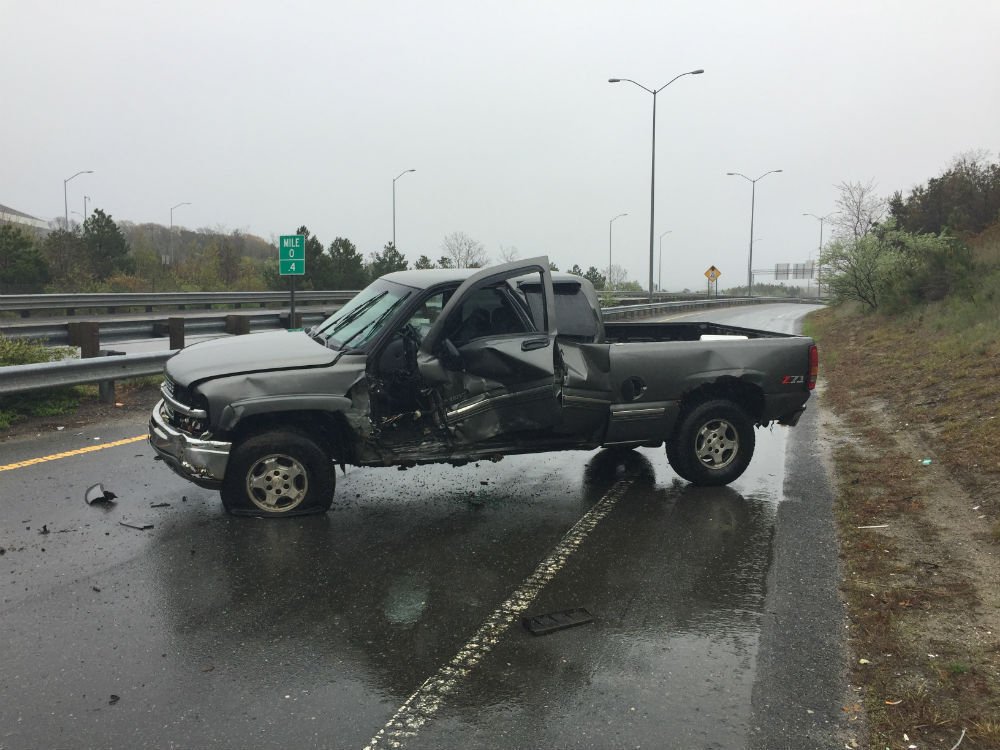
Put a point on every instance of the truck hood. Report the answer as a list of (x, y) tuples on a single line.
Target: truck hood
[(274, 350)]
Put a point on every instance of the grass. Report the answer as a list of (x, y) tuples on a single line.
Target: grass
[(928, 378)]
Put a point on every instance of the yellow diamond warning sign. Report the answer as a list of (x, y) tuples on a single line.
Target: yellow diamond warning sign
[(713, 273)]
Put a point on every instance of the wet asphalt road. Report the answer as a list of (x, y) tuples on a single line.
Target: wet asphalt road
[(394, 619)]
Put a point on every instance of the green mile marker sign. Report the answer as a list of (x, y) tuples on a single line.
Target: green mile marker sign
[(292, 255)]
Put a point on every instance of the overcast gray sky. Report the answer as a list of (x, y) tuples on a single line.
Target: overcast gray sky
[(268, 115)]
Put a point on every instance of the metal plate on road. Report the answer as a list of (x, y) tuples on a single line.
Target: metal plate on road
[(543, 624)]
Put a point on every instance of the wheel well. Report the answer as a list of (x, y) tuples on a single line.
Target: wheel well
[(747, 396), (328, 429)]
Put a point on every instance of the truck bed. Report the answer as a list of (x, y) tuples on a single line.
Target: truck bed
[(628, 332)]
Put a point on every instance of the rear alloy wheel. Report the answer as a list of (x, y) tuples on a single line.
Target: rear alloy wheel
[(713, 444), (280, 473)]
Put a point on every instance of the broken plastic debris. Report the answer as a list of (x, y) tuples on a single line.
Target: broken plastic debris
[(863, 661), (141, 525), (97, 494), (550, 623), (926, 462), (893, 703)]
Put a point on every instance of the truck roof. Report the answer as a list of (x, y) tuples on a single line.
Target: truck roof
[(421, 279)]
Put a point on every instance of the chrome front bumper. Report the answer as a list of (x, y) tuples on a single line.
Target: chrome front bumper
[(200, 461)]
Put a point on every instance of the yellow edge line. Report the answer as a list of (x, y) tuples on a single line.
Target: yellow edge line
[(67, 454)]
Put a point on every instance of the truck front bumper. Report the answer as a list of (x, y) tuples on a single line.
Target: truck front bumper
[(200, 461)]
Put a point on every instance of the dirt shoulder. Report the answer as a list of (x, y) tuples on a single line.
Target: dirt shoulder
[(918, 519)]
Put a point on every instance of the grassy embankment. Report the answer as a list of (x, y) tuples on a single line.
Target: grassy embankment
[(923, 589)]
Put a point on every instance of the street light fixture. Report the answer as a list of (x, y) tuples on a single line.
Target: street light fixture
[(659, 276), (170, 237), (753, 198), (394, 203), (608, 285), (652, 179), (65, 201)]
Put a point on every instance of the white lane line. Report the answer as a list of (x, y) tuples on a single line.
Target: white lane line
[(429, 697)]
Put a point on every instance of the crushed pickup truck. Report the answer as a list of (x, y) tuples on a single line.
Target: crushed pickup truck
[(451, 366)]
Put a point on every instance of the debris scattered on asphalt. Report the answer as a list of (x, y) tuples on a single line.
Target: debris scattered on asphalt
[(926, 462), (141, 525), (114, 699), (97, 494), (893, 703), (45, 529), (159, 505), (880, 526), (96, 588), (863, 661), (549, 623)]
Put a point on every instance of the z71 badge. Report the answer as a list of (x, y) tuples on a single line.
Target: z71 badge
[(793, 379)]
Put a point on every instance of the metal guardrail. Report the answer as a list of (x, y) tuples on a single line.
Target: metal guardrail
[(24, 378), (106, 369), (127, 329), (25, 304)]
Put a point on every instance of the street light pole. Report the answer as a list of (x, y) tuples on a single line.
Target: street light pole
[(753, 198), (170, 237), (85, 199), (659, 277), (652, 179), (65, 200), (608, 285), (394, 204), (821, 219)]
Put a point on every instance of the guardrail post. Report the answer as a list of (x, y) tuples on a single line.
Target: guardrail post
[(175, 327), (85, 334), (106, 388), (287, 323), (238, 325)]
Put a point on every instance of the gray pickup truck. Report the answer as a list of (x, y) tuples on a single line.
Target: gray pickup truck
[(451, 366)]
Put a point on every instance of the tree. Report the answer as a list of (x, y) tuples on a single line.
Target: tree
[(23, 270), (965, 199), (389, 260), (464, 251), (861, 209), (423, 262), (596, 278), (890, 268), (619, 277), (348, 265), (508, 254), (69, 261), (445, 262), (576, 270), (106, 245), (553, 267)]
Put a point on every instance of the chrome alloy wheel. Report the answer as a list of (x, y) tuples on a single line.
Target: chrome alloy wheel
[(717, 444), (277, 483)]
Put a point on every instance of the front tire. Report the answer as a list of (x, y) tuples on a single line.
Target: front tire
[(713, 444), (282, 473)]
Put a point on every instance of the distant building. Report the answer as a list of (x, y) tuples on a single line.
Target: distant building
[(12, 216)]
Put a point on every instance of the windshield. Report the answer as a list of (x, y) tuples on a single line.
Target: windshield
[(363, 317)]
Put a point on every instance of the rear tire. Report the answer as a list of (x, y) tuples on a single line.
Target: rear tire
[(713, 444), (281, 473)]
